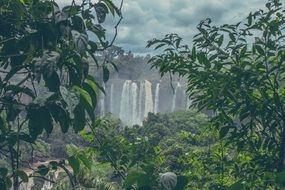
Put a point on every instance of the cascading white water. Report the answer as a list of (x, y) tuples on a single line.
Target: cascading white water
[(174, 96), (125, 103), (148, 98), (156, 99), (137, 100), (134, 97), (141, 100)]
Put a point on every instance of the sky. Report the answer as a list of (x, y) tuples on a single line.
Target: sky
[(147, 19)]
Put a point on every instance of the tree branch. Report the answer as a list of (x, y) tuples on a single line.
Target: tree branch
[(116, 28)]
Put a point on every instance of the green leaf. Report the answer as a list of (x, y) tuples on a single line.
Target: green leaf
[(100, 87), (280, 177), (24, 177), (85, 161), (115, 66), (243, 51), (236, 186), (53, 165), (260, 50), (135, 178), (194, 55), (94, 48), (79, 117), (74, 163), (3, 127), (71, 98), (203, 59), (18, 89), (84, 95), (90, 87), (61, 116), (92, 84), (232, 37), (112, 7), (106, 74), (220, 40), (46, 121), (249, 19), (3, 172), (101, 11), (25, 137), (45, 65), (78, 24), (80, 40), (42, 170), (159, 46), (86, 103), (35, 128), (223, 132), (52, 81)]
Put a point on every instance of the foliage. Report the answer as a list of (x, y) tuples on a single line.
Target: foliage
[(45, 78), (140, 154), (96, 175), (237, 71)]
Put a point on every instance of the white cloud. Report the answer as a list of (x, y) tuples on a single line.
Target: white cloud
[(147, 19)]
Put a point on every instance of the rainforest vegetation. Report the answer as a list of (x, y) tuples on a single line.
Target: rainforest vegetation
[(55, 61)]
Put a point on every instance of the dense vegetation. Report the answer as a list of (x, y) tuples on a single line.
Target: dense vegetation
[(45, 81), (48, 96), (139, 155), (237, 70)]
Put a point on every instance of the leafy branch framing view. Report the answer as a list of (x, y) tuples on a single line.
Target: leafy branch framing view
[(237, 71), (45, 78)]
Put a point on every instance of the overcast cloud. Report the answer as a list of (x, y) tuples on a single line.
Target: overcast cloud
[(147, 19)]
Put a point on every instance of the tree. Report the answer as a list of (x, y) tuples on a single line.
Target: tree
[(237, 70), (45, 79)]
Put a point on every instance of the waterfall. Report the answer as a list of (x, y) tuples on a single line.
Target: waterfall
[(148, 98), (140, 113), (134, 96), (125, 103), (156, 99), (135, 99), (174, 97), (111, 105)]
